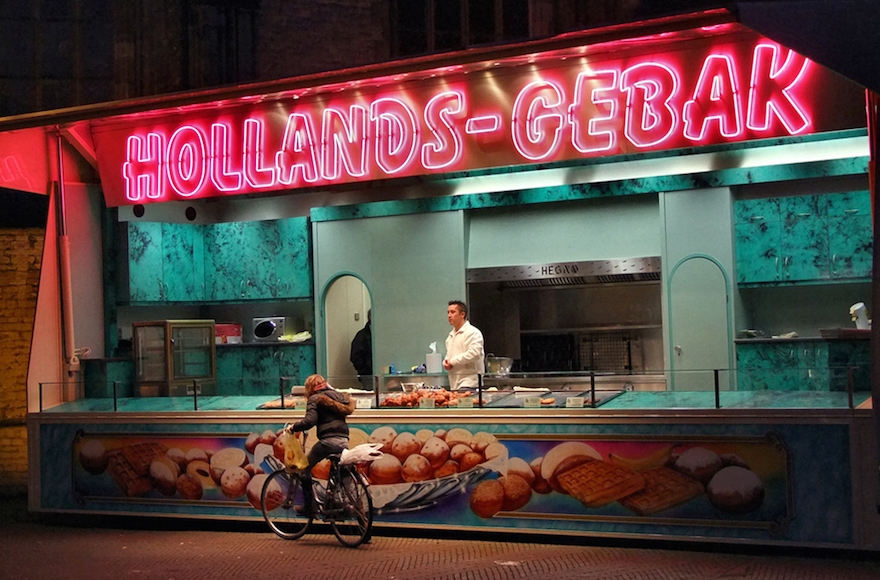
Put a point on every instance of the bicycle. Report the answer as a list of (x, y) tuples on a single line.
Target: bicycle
[(345, 503)]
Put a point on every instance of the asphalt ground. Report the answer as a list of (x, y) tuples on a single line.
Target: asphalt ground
[(37, 547)]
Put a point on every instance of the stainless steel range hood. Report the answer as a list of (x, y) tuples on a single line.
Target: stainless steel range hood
[(620, 270)]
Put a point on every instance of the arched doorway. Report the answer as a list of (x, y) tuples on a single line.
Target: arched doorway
[(346, 305)]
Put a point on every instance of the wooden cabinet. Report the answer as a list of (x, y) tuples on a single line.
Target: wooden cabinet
[(171, 355), (803, 238)]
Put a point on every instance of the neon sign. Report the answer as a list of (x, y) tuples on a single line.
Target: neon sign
[(567, 110)]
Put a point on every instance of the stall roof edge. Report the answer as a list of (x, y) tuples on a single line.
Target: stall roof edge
[(669, 24)]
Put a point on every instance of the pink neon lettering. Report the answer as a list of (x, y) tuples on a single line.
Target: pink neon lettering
[(187, 163), (716, 98), (256, 172), (483, 124), (599, 133), (770, 92), (223, 177), (650, 119), (143, 169), (537, 123), (395, 132), (298, 152), (344, 142), (443, 146), (13, 171)]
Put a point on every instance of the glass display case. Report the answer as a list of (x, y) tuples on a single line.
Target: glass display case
[(174, 358), (503, 391)]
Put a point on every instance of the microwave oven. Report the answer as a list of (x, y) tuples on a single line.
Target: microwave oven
[(271, 328)]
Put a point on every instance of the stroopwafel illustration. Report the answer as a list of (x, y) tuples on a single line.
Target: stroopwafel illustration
[(596, 483), (664, 488)]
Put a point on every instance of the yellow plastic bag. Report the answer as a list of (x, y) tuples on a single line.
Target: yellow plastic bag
[(294, 455)]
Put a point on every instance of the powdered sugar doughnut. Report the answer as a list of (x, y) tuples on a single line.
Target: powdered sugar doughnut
[(736, 489), (699, 463)]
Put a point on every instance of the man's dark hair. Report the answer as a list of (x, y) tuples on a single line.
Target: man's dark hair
[(461, 306)]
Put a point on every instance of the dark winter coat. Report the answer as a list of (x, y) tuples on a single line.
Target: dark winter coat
[(327, 409), (361, 356)]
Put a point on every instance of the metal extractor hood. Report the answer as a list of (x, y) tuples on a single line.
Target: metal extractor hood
[(570, 273)]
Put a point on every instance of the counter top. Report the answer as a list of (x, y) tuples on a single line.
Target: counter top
[(265, 343), (842, 338)]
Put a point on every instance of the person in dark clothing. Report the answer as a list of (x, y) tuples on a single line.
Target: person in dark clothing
[(362, 352), (326, 410)]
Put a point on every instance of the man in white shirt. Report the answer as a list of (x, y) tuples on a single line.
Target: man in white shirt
[(464, 349)]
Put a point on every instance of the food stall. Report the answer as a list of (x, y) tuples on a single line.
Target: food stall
[(616, 205)]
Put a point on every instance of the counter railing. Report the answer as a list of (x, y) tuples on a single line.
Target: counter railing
[(843, 386)]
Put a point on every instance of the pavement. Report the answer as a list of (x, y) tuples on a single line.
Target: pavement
[(37, 546)]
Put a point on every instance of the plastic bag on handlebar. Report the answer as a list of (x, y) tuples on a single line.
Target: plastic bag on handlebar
[(361, 453), (294, 455)]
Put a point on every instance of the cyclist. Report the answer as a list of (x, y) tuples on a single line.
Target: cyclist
[(327, 409)]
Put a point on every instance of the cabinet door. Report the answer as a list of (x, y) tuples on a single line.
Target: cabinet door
[(293, 264), (260, 242), (850, 234), (183, 262), (767, 366), (813, 366), (804, 240), (145, 279), (757, 251), (225, 261), (240, 260)]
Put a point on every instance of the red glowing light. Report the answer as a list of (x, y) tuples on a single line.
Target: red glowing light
[(650, 119), (770, 91), (537, 121), (600, 134), (716, 98), (568, 110)]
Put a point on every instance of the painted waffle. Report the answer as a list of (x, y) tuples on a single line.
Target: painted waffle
[(664, 488), (140, 455), (596, 483), (123, 473)]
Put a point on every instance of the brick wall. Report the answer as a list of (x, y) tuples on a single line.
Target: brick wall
[(21, 253)]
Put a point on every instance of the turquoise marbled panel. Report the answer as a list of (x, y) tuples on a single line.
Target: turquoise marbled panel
[(766, 366), (851, 245), (757, 251), (293, 269), (765, 209), (260, 242), (850, 356), (145, 261), (229, 371), (720, 178), (225, 259), (183, 262), (804, 365), (260, 372), (297, 362), (804, 248)]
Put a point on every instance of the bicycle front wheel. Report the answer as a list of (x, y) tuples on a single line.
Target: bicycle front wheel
[(282, 493), (352, 508)]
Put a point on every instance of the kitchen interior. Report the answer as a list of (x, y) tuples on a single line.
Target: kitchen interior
[(603, 317)]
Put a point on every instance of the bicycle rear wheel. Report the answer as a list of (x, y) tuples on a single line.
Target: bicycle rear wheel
[(281, 493), (351, 511)]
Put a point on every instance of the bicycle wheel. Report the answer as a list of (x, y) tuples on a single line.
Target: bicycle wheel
[(281, 493), (351, 513)]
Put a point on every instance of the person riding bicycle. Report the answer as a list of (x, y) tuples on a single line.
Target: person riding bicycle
[(327, 409)]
